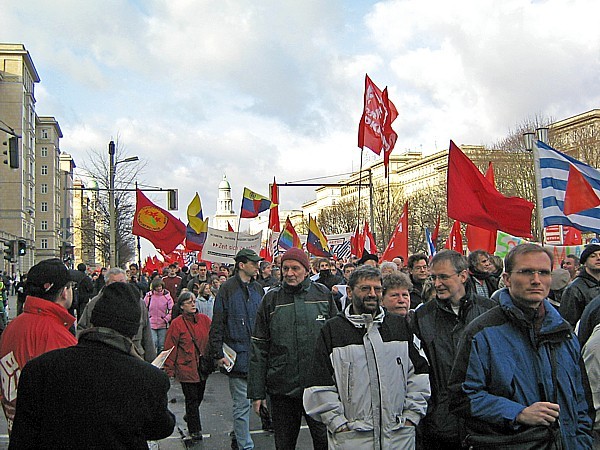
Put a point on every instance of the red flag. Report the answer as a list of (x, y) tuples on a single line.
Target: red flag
[(229, 227), (572, 236), (368, 240), (274, 212), (479, 238), (436, 232), (579, 194), (473, 200), (375, 128), (160, 227), (398, 245), (356, 248), (454, 241)]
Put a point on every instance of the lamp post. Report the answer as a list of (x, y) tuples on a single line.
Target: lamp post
[(111, 201), (528, 138)]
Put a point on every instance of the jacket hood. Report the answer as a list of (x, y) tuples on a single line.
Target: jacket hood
[(110, 337), (363, 320)]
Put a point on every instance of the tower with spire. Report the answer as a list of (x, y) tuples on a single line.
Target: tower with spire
[(224, 212)]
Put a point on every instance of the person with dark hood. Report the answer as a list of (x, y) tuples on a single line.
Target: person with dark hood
[(584, 287), (85, 289), (101, 384), (325, 275)]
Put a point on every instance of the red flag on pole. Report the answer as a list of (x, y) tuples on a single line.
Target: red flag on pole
[(274, 212), (571, 236), (375, 128), (579, 193), (473, 200), (356, 248), (479, 238), (454, 241), (160, 227), (229, 227), (398, 245), (436, 232), (368, 240)]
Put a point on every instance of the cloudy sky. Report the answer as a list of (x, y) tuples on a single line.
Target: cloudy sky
[(264, 88)]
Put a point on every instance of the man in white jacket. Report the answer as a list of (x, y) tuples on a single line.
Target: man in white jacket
[(370, 383)]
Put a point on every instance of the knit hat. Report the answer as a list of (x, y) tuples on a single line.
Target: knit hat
[(589, 249), (297, 255), (118, 308)]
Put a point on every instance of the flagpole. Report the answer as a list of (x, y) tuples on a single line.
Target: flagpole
[(531, 145), (139, 242), (362, 150)]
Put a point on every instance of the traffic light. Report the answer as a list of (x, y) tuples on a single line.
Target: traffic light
[(22, 248), (12, 152), (9, 251), (172, 200)]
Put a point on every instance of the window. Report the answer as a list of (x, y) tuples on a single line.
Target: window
[(44, 225), (44, 188), (44, 133), (44, 170), (44, 206), (44, 243), (44, 151)]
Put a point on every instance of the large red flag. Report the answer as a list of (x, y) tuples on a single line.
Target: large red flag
[(398, 245), (355, 243), (160, 227), (274, 212), (473, 200), (454, 241), (480, 238), (375, 128)]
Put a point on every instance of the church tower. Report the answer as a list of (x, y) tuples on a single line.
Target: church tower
[(225, 212)]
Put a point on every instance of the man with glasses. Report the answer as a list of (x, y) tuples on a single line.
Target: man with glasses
[(43, 326), (419, 273), (440, 324), (369, 382), (517, 373)]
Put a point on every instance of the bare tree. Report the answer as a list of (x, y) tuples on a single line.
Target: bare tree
[(338, 218), (97, 166)]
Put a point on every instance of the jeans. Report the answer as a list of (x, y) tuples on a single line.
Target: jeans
[(158, 337), (193, 394), (287, 415), (241, 412)]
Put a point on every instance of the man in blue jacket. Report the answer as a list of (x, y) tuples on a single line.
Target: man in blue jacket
[(518, 366), (234, 316)]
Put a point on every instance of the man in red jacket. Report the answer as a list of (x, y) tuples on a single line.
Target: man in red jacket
[(43, 326)]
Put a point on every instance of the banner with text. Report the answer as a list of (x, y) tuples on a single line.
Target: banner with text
[(339, 244), (222, 246)]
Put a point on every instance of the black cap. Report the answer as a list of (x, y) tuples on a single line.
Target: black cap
[(118, 308), (50, 275), (249, 254), (589, 249)]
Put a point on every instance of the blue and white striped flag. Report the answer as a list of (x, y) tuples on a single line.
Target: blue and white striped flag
[(430, 246), (554, 168)]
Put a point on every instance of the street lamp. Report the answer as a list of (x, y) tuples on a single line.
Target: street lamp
[(528, 139), (111, 201)]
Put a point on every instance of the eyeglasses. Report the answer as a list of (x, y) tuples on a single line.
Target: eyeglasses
[(442, 276), (367, 289), (531, 273)]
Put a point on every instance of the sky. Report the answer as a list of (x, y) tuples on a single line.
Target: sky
[(274, 88)]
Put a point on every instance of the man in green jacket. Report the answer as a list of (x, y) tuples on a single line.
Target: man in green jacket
[(288, 322)]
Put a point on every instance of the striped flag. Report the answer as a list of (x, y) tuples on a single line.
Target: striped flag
[(431, 251), (565, 179)]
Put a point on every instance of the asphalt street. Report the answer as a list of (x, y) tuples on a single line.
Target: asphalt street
[(215, 412)]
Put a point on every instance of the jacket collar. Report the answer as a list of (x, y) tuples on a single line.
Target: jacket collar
[(300, 287), (552, 323), (363, 320), (111, 338), (36, 305)]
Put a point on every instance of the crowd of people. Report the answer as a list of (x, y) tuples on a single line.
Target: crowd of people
[(446, 352)]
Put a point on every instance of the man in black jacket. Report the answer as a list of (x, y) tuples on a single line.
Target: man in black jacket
[(440, 324), (118, 400), (85, 290), (584, 287)]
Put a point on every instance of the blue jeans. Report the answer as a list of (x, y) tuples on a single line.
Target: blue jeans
[(241, 412), (158, 337)]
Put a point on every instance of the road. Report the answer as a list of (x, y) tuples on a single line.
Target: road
[(215, 414)]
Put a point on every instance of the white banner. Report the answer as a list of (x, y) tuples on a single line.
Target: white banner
[(222, 246), (339, 244)]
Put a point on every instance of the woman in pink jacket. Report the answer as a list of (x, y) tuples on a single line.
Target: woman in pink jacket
[(159, 304)]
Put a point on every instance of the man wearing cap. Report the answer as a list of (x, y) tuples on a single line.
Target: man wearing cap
[(234, 315), (116, 399), (287, 326), (43, 326), (584, 287)]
